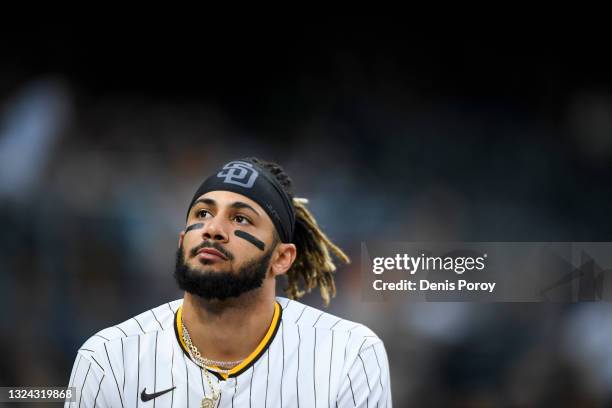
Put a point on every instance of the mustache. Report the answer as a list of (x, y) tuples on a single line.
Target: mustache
[(215, 245)]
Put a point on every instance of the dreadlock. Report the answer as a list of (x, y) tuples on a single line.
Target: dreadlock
[(313, 264)]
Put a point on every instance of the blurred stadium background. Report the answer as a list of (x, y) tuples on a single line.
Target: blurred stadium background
[(391, 135)]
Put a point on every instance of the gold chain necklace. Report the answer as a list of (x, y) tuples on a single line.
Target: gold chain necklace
[(207, 401), (203, 361)]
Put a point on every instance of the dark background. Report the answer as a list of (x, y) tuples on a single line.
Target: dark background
[(393, 135)]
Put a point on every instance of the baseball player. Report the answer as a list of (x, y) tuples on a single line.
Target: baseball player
[(230, 341)]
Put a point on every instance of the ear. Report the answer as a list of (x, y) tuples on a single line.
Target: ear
[(283, 258), (181, 236)]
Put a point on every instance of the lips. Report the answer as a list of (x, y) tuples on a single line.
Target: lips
[(211, 254)]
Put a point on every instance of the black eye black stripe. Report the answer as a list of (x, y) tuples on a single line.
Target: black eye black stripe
[(194, 226), (245, 235)]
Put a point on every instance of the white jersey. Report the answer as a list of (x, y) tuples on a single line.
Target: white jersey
[(308, 358)]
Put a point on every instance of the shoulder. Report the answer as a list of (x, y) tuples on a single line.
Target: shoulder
[(309, 318), (160, 318)]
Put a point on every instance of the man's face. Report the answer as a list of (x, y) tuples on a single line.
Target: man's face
[(226, 247)]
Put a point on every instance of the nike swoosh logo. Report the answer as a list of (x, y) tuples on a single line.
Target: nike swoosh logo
[(148, 397)]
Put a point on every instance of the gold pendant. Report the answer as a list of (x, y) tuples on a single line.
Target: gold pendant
[(207, 402)]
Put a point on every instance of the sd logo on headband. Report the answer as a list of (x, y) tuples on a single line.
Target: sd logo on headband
[(240, 173)]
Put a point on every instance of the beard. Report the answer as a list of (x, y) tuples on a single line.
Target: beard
[(221, 285)]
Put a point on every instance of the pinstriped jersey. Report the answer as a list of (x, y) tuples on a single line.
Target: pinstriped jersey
[(308, 358)]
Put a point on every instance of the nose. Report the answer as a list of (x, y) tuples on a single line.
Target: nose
[(214, 230)]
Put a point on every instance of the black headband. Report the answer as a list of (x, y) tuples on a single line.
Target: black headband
[(252, 181)]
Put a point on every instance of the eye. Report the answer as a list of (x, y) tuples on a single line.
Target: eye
[(201, 213), (240, 219)]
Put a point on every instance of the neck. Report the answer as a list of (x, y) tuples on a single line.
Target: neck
[(231, 329)]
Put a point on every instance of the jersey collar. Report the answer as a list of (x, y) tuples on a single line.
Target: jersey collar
[(251, 359)]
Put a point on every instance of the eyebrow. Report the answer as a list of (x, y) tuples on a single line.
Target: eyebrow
[(207, 201), (237, 205), (240, 205)]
